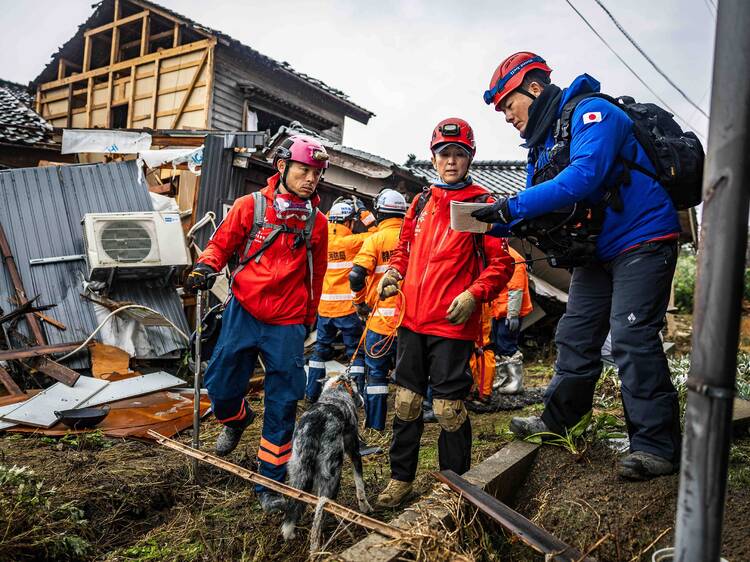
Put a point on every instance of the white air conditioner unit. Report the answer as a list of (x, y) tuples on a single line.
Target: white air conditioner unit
[(134, 245)]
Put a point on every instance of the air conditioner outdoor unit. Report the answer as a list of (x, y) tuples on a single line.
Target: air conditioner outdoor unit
[(134, 245)]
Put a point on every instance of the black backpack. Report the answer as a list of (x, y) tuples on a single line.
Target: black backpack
[(676, 155)]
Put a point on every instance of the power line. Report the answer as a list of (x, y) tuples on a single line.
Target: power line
[(651, 62), (603, 40)]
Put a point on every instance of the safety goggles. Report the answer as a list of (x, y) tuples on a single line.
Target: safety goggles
[(489, 95), (287, 207)]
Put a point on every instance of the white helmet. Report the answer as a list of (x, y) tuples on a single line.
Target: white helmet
[(390, 201), (341, 212)]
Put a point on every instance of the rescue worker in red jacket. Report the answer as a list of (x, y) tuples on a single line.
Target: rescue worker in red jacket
[(444, 281), (275, 292), (336, 310), (369, 266)]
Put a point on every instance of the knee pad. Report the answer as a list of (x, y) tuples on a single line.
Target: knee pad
[(450, 414), (408, 404)]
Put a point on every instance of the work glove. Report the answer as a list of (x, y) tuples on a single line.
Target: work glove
[(201, 278), (366, 217), (359, 205), (513, 323), (461, 308), (363, 310), (388, 285), (497, 212)]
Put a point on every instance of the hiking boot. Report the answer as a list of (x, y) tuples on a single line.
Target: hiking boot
[(394, 494), (230, 437), (640, 465), (428, 415), (523, 427), (271, 502)]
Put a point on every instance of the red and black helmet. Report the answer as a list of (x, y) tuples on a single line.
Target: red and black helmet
[(453, 131), (509, 75)]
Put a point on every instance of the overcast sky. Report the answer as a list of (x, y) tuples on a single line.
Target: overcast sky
[(415, 62)]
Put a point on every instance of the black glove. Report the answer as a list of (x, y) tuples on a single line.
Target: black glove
[(201, 278), (363, 311), (497, 212), (513, 324)]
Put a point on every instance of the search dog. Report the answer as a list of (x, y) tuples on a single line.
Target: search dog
[(324, 433)]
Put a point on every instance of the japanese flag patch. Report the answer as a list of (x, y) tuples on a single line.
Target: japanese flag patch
[(592, 117)]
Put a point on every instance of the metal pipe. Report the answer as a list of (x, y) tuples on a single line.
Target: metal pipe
[(721, 264), (197, 379)]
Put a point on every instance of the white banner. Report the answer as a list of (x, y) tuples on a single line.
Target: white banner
[(105, 141)]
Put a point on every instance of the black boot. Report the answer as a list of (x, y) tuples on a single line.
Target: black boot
[(230, 436)]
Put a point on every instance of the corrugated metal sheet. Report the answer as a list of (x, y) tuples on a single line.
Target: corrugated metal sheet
[(503, 177), (41, 211)]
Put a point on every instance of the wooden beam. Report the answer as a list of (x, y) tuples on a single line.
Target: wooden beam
[(330, 506), (8, 382), (145, 32), (116, 10), (116, 23), (171, 112), (89, 101), (167, 53), (193, 82), (60, 68), (86, 55), (37, 351), (114, 48), (109, 100), (70, 106), (131, 98), (209, 90), (38, 103), (176, 35), (155, 94), (58, 372), (151, 39)]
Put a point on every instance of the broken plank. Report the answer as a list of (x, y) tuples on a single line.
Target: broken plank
[(37, 351), (534, 536), (39, 411), (9, 383), (58, 372), (49, 320), (305, 497), (132, 387)]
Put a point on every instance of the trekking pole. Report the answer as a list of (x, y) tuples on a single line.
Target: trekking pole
[(197, 378)]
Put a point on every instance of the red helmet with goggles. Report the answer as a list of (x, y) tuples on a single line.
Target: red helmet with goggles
[(453, 131), (509, 75)]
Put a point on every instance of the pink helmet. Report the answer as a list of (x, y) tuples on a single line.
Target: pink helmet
[(304, 150)]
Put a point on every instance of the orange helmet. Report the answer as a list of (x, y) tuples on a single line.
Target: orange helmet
[(509, 75), (453, 131)]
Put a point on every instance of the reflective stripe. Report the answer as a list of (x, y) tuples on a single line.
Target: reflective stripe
[(340, 265), (239, 416), (336, 297), (317, 364), (380, 389), (356, 369), (275, 449), (382, 268), (387, 311), (272, 459)]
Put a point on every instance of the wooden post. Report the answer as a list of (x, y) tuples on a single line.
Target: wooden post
[(109, 100), (131, 100), (176, 35), (89, 100), (145, 31), (115, 47), (155, 95), (39, 100), (60, 68), (86, 54), (69, 118), (209, 88)]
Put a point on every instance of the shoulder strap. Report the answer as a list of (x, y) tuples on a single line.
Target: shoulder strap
[(309, 226), (424, 197), (562, 128)]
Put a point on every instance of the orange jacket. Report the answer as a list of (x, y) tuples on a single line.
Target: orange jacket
[(336, 298), (438, 263), (483, 366), (519, 282), (374, 257), (276, 289)]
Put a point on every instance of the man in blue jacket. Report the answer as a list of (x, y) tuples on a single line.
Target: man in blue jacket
[(626, 286)]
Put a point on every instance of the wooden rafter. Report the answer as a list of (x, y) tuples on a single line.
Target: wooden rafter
[(116, 23), (145, 32), (176, 35), (151, 39), (183, 105)]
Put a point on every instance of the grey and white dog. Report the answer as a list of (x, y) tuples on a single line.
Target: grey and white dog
[(324, 433)]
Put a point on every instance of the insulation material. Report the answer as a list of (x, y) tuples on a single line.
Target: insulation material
[(108, 142)]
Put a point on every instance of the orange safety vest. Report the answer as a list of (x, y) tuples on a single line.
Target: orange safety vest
[(519, 282), (374, 257), (336, 298), (483, 370)]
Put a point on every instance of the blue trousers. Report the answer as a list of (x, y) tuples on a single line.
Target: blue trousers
[(503, 341), (628, 295), (351, 331), (241, 339), (376, 391)]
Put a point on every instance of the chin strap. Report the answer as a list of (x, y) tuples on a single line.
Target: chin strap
[(526, 93)]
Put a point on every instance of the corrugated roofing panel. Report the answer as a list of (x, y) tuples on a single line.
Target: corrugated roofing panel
[(41, 211)]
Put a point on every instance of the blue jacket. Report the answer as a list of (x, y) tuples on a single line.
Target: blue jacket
[(600, 132)]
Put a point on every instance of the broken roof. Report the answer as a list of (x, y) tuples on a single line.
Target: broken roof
[(104, 10), (504, 177), (19, 124)]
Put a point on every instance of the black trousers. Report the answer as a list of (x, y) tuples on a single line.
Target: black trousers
[(628, 296), (442, 363)]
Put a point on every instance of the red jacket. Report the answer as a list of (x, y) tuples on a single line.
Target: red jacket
[(275, 290), (439, 263)]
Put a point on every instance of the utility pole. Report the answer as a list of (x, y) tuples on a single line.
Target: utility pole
[(721, 265)]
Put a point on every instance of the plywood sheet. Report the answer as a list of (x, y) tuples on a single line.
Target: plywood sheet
[(39, 411), (131, 387)]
